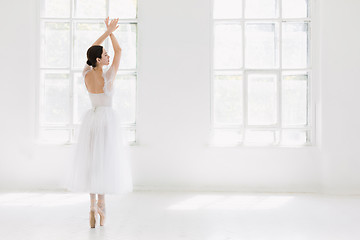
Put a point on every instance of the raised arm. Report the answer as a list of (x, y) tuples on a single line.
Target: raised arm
[(109, 29), (101, 39), (117, 51)]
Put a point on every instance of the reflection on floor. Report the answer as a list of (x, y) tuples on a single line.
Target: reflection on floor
[(181, 215)]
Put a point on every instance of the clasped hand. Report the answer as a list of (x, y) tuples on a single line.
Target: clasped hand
[(112, 26)]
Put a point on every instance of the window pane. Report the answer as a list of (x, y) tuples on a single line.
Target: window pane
[(85, 35), (228, 101), (262, 103), (295, 45), (125, 97), (54, 98), (55, 51), (90, 8), (55, 8), (255, 137), (226, 137), (122, 8), (295, 8), (131, 134), (54, 135), (81, 98), (227, 9), (294, 99), (261, 9), (126, 35), (261, 45), (228, 46), (294, 137)]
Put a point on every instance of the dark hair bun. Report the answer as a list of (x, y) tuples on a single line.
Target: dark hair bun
[(93, 53)]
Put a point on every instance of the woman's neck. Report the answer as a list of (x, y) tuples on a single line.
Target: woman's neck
[(98, 69)]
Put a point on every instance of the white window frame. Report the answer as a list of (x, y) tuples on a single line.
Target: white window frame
[(72, 70), (312, 106)]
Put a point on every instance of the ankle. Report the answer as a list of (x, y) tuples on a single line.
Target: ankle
[(101, 204)]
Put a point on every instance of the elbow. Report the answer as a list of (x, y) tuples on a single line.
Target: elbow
[(118, 50)]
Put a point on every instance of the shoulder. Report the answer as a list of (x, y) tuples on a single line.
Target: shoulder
[(86, 69), (85, 73), (110, 73)]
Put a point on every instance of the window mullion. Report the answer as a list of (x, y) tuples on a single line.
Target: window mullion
[(211, 63), (279, 94), (244, 73), (279, 101), (311, 115), (107, 8), (71, 88), (245, 100), (106, 43)]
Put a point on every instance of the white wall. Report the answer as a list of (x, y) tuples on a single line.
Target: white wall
[(340, 69), (17, 99), (173, 117)]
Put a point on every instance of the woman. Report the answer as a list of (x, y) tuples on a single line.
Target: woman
[(101, 161)]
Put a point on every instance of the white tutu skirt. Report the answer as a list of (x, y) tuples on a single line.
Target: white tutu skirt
[(100, 162)]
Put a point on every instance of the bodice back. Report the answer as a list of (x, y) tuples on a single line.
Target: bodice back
[(100, 99), (105, 98)]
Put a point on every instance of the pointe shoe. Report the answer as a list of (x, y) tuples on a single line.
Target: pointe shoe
[(102, 212), (93, 217)]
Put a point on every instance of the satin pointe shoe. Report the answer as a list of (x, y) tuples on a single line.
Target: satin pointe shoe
[(93, 214), (102, 212)]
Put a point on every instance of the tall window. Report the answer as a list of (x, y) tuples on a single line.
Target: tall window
[(261, 73), (67, 29)]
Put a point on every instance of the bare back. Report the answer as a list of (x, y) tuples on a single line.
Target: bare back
[(94, 82), (98, 83)]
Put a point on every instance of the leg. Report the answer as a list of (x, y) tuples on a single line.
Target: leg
[(92, 200), (101, 208), (92, 210)]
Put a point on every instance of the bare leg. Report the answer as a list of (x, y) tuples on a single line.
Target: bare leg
[(92, 200), (101, 208), (92, 210)]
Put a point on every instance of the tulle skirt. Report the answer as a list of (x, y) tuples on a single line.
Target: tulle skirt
[(100, 162)]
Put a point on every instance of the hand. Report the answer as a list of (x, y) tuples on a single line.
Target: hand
[(112, 26)]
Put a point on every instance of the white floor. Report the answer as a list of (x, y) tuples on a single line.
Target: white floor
[(179, 215)]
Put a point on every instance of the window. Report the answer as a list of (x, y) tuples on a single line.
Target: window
[(261, 73), (67, 30)]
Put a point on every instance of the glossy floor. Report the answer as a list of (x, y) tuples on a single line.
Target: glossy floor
[(181, 215)]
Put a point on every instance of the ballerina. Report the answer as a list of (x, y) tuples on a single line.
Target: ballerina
[(101, 160)]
